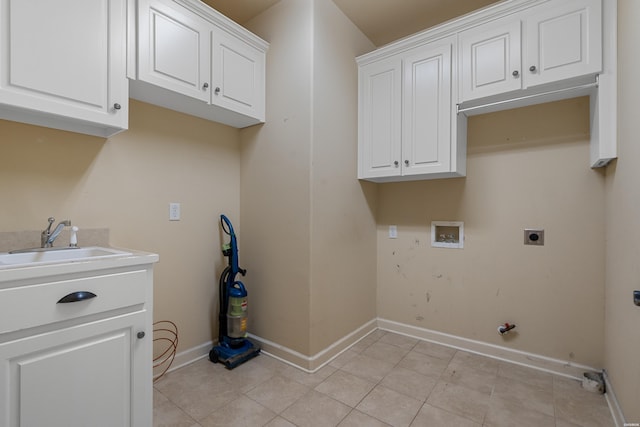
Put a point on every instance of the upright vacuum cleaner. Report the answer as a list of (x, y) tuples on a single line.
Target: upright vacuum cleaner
[(233, 346)]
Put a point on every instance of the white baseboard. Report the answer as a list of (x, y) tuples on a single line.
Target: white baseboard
[(322, 358), (532, 360), (612, 401), (313, 363), (308, 364)]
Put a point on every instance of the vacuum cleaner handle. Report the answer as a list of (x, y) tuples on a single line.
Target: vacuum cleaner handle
[(232, 252), (226, 225)]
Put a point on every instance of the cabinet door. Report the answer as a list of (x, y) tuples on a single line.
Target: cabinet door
[(173, 48), (88, 375), (490, 59), (380, 119), (426, 126), (65, 60), (238, 75), (563, 40)]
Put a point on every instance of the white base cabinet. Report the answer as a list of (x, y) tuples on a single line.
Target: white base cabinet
[(78, 376), (193, 60), (82, 363), (59, 71)]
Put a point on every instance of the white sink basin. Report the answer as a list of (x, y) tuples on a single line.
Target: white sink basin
[(38, 257)]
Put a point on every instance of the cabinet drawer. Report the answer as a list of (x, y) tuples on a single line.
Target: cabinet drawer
[(34, 305)]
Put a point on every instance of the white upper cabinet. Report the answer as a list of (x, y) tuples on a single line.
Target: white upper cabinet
[(490, 59), (563, 40), (549, 43), (193, 60), (415, 94), (380, 119), (60, 71), (427, 111), (174, 48), (406, 126), (238, 75)]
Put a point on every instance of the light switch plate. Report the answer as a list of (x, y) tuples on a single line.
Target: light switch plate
[(174, 211)]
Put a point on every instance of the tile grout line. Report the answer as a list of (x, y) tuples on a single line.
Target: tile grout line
[(381, 354)]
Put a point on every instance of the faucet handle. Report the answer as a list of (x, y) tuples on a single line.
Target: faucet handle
[(51, 221)]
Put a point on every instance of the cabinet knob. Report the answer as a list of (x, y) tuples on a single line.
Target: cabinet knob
[(205, 85), (516, 73), (532, 68), (406, 162), (217, 90), (140, 335), (396, 163), (117, 106)]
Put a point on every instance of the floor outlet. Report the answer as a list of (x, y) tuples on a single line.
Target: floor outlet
[(174, 211)]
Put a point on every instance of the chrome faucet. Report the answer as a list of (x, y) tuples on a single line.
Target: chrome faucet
[(47, 237)]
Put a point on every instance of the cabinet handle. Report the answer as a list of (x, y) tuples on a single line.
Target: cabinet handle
[(217, 91), (205, 85), (516, 73), (77, 297), (532, 68), (406, 162), (396, 164), (117, 106), (140, 335)]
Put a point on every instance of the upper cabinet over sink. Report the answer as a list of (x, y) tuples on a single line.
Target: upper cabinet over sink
[(73, 65), (60, 71), (189, 58), (174, 48)]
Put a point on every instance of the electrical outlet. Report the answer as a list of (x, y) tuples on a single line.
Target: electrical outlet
[(534, 237), (174, 211), (393, 232)]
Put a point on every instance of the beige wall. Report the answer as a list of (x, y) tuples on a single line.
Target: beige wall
[(125, 183), (309, 234), (275, 197), (343, 241), (525, 168), (622, 324)]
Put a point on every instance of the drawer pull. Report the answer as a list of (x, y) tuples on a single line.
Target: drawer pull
[(77, 296)]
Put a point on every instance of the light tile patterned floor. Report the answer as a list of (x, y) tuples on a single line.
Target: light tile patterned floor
[(384, 380)]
